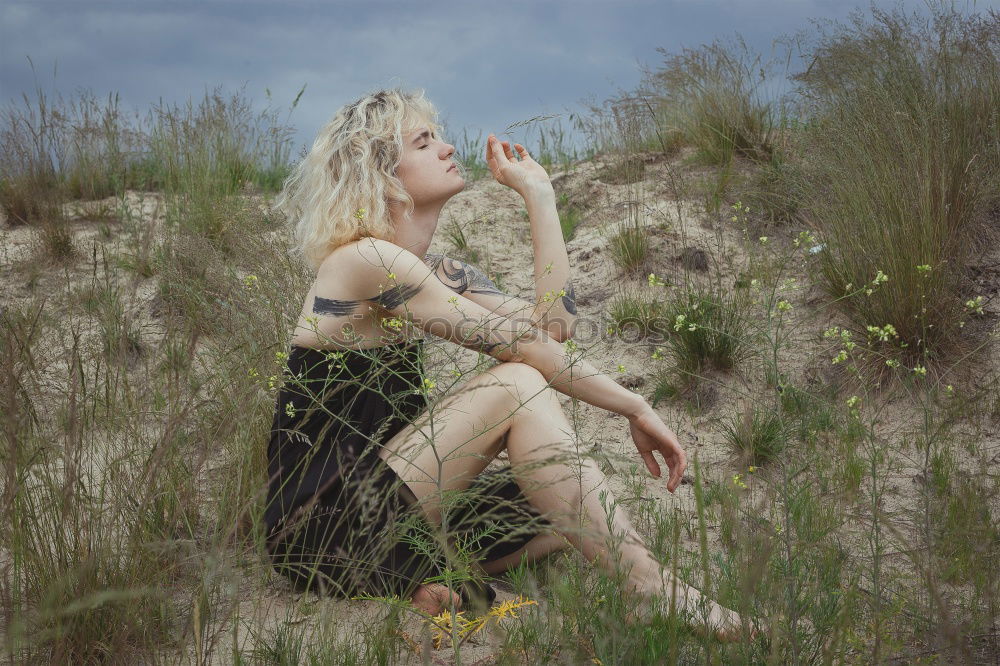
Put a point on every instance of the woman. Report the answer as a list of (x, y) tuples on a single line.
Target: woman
[(357, 448)]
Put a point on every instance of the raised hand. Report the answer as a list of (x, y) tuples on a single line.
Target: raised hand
[(650, 434), (521, 175)]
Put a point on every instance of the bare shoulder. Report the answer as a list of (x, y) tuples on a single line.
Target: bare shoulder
[(363, 265)]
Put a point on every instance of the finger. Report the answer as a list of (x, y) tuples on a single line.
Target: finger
[(681, 466), (498, 153), (508, 153), (651, 464), (522, 151), (673, 463)]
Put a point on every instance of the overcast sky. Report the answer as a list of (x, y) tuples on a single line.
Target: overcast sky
[(485, 65)]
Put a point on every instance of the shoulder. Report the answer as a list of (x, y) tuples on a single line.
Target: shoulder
[(367, 254)]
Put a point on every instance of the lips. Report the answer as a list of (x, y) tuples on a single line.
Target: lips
[(452, 167)]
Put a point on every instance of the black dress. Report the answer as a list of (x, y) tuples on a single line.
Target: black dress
[(338, 519)]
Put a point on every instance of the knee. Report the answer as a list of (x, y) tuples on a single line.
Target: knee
[(526, 379)]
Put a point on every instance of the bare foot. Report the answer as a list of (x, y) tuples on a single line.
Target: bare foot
[(433, 598), (720, 622)]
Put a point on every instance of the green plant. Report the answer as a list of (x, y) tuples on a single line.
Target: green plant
[(624, 170), (569, 217), (629, 243), (712, 94), (757, 435), (456, 235), (906, 196), (705, 327), (633, 313), (471, 154)]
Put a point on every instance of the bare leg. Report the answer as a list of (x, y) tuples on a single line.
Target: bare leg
[(467, 432), (540, 546)]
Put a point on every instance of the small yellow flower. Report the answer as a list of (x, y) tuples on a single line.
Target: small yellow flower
[(804, 237), (252, 372), (920, 370), (250, 281), (679, 321), (840, 357), (621, 368), (360, 213), (784, 306), (892, 363), (738, 481), (509, 608), (391, 276), (453, 300), (657, 353), (924, 269), (272, 382), (394, 323), (763, 240), (290, 408), (852, 401), (455, 372), (570, 346), (655, 281), (975, 304), (280, 356), (751, 469), (884, 332)]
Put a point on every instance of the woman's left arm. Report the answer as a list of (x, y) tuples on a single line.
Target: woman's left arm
[(472, 283), (554, 294), (555, 306)]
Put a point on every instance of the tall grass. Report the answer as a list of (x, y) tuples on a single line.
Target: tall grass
[(54, 149), (902, 169), (714, 97), (858, 523)]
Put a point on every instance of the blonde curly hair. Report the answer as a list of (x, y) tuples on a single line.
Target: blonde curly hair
[(342, 189)]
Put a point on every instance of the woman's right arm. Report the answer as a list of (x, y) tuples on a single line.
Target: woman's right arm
[(406, 287)]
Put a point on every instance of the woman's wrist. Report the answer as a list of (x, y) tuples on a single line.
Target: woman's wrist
[(637, 408), (539, 191)]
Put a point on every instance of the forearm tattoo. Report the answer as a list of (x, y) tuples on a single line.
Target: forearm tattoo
[(480, 343), (569, 298), (460, 276)]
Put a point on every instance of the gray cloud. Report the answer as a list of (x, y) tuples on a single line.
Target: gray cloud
[(485, 65)]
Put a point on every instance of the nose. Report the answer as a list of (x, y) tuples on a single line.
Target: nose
[(449, 150)]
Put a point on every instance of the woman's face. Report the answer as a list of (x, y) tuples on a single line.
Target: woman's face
[(426, 169)]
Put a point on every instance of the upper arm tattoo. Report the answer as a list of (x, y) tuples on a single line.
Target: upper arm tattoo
[(460, 276), (389, 299)]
